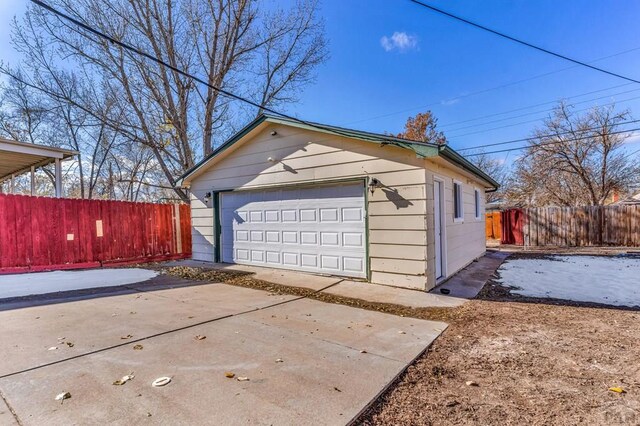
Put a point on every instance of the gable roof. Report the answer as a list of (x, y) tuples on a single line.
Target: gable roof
[(421, 149)]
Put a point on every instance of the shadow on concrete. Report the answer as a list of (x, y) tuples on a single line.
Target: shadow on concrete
[(161, 282)]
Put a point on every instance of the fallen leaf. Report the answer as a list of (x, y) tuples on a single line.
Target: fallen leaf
[(161, 381), (363, 351), (472, 383), (133, 312), (128, 336), (617, 389), (138, 347), (200, 337), (336, 389), (70, 344), (123, 380), (62, 396), (279, 360), (401, 332), (229, 375), (52, 348), (242, 379)]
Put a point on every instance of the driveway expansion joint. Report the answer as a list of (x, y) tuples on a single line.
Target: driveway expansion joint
[(11, 410)]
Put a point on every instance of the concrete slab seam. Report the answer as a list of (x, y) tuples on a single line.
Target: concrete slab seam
[(163, 333), (11, 410)]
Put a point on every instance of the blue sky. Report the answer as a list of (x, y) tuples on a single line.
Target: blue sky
[(374, 80)]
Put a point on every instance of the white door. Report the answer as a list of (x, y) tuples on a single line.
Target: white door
[(438, 215), (311, 228)]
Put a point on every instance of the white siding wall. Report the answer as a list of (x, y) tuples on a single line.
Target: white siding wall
[(465, 241), (397, 236), (400, 215)]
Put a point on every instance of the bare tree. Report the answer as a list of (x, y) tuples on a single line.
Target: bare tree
[(495, 168), (575, 160), (239, 45)]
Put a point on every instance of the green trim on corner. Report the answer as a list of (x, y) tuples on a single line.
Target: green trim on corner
[(366, 228), (217, 253)]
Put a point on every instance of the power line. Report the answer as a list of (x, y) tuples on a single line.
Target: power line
[(534, 112), (522, 42), (513, 83), (549, 143), (536, 119), (178, 70), (631, 154), (541, 136)]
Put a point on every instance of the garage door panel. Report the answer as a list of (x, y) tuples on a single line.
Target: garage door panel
[(316, 229)]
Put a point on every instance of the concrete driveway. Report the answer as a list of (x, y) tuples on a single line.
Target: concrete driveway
[(306, 361)]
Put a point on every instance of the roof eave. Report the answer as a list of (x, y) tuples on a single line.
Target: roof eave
[(453, 156), (421, 149)]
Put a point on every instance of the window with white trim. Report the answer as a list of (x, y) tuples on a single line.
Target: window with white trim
[(478, 201), (458, 210)]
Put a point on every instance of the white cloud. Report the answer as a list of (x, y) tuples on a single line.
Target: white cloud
[(400, 41)]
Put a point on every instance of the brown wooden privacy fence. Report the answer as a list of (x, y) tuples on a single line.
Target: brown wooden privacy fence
[(38, 233), (575, 226), (493, 226)]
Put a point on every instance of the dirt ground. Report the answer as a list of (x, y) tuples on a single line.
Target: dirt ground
[(532, 361)]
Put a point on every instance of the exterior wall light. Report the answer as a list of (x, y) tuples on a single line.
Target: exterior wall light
[(375, 183), (207, 197)]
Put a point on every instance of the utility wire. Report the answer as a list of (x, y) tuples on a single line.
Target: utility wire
[(546, 143), (178, 70), (541, 136), (499, 120), (631, 154), (522, 42), (490, 89), (220, 90), (535, 120)]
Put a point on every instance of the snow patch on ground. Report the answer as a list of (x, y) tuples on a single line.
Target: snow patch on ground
[(599, 279), (51, 282)]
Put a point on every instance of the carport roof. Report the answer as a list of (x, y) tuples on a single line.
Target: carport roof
[(18, 157), (422, 149)]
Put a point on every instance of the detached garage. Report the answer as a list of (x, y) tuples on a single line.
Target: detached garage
[(328, 200)]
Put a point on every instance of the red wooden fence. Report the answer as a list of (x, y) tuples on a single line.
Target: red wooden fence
[(512, 222), (38, 233)]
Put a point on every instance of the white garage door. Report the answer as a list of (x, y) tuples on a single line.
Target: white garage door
[(312, 228)]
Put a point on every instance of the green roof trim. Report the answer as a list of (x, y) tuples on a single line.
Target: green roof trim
[(421, 149)]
